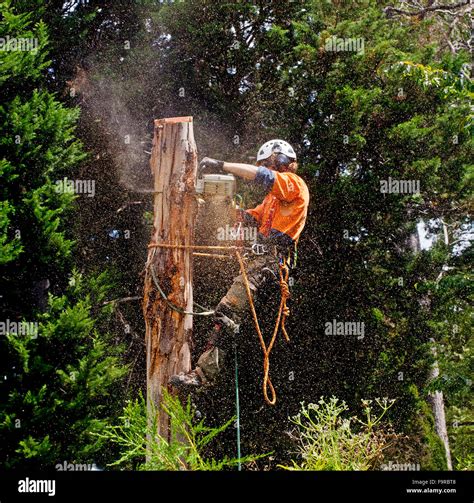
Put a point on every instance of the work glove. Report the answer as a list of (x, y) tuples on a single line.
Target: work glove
[(212, 165)]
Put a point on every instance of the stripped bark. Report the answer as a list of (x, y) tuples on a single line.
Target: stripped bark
[(169, 332)]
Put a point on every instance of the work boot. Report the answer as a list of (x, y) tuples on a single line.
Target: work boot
[(211, 362), (208, 367), (193, 379)]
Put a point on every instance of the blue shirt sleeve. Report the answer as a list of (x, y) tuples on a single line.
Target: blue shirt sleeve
[(265, 177)]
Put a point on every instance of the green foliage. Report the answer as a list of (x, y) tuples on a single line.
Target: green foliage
[(452, 326), (38, 147), (60, 382), (19, 67), (9, 249), (57, 383), (331, 442), (189, 438)]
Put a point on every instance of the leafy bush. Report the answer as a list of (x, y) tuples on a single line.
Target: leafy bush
[(184, 451), (331, 442)]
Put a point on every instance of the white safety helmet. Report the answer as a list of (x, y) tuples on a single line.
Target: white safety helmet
[(275, 147)]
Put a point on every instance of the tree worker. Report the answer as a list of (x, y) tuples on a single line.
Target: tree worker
[(280, 219)]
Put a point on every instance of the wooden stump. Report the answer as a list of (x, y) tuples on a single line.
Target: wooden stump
[(168, 332)]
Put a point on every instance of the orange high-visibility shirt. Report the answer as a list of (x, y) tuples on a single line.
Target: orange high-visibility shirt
[(282, 214)]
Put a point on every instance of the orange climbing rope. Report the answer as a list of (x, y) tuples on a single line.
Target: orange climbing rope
[(283, 311)]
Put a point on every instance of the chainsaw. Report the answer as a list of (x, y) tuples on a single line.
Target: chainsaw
[(216, 186)]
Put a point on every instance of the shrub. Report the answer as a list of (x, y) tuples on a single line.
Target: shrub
[(184, 451), (328, 441)]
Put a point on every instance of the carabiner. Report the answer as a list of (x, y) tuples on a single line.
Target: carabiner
[(258, 249)]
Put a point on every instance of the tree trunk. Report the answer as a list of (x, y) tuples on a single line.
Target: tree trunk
[(169, 332), (437, 402), (437, 398)]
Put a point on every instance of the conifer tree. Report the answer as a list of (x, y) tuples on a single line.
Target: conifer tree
[(58, 366)]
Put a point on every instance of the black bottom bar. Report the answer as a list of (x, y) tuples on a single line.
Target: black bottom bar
[(103, 487)]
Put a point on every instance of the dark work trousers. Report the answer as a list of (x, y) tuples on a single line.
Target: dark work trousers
[(261, 269)]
